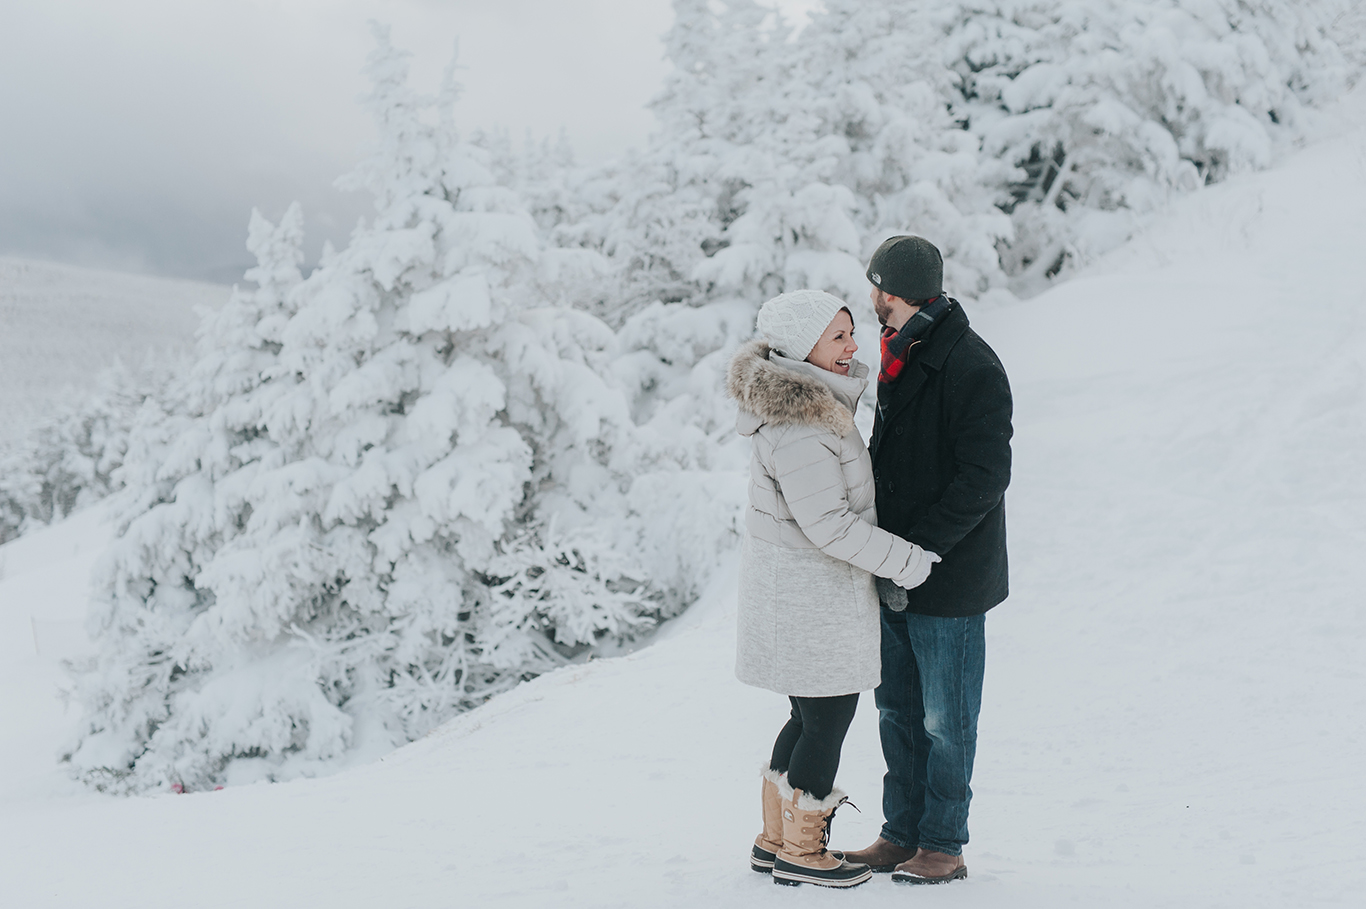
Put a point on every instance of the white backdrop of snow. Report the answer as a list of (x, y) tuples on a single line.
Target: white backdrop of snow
[(1175, 703)]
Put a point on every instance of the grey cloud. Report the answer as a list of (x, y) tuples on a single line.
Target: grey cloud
[(139, 135)]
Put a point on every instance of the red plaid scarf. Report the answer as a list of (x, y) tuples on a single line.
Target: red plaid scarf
[(897, 344), (894, 356)]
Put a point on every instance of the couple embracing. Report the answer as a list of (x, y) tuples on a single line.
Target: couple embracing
[(871, 567)]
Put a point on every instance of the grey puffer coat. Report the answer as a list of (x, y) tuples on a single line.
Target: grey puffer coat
[(808, 608)]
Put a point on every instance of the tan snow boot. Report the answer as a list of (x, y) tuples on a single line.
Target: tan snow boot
[(767, 844), (806, 830)]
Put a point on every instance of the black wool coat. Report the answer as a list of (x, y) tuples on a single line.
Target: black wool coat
[(941, 464)]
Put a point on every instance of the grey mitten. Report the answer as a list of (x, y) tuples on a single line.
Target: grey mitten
[(892, 594)]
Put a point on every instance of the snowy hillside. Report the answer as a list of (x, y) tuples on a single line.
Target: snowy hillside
[(61, 324), (1175, 706)]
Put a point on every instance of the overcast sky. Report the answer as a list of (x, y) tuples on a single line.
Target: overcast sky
[(138, 134)]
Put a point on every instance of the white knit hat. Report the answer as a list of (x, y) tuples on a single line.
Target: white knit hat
[(793, 322)]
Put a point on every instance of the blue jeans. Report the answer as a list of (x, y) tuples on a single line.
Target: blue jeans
[(928, 702)]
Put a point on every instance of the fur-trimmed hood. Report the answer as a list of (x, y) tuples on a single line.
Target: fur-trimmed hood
[(773, 389)]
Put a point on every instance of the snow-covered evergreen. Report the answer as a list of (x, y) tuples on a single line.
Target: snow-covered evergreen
[(1108, 108), (793, 157), (73, 458), (880, 104), (383, 500)]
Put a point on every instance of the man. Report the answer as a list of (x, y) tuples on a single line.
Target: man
[(941, 464)]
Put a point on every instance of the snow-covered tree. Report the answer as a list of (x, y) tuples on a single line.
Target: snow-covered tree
[(73, 458), (383, 501), (651, 226), (1019, 134), (1108, 107), (671, 205), (782, 162), (1348, 31), (881, 105)]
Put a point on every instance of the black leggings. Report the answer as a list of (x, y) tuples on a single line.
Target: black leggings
[(808, 748)]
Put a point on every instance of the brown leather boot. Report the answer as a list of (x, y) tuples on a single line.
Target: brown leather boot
[(806, 829), (767, 843), (882, 856), (930, 868)]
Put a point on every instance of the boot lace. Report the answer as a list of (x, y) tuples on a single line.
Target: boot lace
[(830, 821)]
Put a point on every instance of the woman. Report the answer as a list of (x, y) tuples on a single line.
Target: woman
[(808, 607)]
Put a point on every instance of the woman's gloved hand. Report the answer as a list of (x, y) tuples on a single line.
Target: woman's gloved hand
[(917, 568), (892, 591)]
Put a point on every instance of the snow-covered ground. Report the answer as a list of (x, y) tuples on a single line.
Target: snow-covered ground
[(61, 324), (1175, 708)]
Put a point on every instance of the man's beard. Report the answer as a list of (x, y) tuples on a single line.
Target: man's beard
[(881, 309)]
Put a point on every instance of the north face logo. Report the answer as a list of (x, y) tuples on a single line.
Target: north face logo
[(877, 279)]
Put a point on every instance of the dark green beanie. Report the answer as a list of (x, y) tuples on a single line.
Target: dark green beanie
[(907, 267)]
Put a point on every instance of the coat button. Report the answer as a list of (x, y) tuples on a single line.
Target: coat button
[(900, 430)]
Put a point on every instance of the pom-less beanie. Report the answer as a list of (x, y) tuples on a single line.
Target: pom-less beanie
[(793, 322), (907, 267)]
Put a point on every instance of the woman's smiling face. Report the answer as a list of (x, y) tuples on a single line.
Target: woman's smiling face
[(835, 350)]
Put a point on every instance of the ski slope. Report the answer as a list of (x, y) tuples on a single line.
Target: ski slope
[(61, 324), (1175, 705)]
